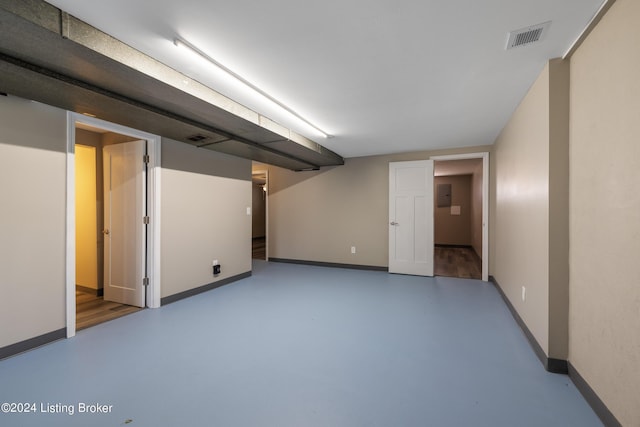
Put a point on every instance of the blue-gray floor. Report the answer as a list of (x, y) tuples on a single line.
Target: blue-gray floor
[(302, 346)]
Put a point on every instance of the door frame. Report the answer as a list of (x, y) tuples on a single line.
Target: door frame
[(266, 208), (485, 201), (153, 211)]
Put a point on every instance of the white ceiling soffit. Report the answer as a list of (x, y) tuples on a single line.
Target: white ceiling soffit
[(381, 76)]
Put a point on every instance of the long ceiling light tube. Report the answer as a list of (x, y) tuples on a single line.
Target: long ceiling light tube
[(183, 43)]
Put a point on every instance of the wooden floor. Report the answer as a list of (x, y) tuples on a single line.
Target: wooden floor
[(457, 262), (92, 310), (259, 248)]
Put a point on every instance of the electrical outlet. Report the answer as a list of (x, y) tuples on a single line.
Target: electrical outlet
[(524, 293), (353, 249), (215, 262)]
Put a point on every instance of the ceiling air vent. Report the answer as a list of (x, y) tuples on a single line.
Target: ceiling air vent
[(197, 137), (528, 35)]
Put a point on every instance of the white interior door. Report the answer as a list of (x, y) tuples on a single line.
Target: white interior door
[(124, 229), (411, 217)]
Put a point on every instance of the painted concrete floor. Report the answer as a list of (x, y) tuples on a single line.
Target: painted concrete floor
[(301, 346)]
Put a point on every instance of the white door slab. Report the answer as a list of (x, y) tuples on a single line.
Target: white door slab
[(124, 228), (411, 217)]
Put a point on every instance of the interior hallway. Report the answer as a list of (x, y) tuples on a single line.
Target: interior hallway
[(297, 345), (259, 248)]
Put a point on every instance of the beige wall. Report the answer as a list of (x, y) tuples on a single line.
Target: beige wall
[(258, 224), (32, 219), (318, 216), (559, 209), (112, 138), (204, 203), (453, 229), (476, 210), (86, 217), (529, 227), (605, 211), (520, 205), (94, 139)]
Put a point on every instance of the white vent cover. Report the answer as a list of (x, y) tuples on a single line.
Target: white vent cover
[(528, 35)]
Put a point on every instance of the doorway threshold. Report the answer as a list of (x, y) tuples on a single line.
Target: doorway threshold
[(92, 310)]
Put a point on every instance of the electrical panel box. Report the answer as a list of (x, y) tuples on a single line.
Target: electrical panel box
[(443, 195)]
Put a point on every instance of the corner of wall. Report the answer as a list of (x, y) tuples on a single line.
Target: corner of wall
[(559, 209)]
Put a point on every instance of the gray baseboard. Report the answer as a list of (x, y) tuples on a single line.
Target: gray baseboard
[(330, 264), (556, 366), (204, 288), (598, 406), (22, 346), (559, 366)]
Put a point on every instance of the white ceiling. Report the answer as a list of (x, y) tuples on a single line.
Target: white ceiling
[(381, 76)]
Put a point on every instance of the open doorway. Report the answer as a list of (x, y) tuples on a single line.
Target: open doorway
[(461, 216), (259, 219), (102, 197), (113, 188)]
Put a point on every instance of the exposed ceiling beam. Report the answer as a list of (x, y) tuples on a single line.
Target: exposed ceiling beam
[(50, 56)]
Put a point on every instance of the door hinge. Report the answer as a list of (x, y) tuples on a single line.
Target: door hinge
[(145, 220), (145, 158), (145, 281)]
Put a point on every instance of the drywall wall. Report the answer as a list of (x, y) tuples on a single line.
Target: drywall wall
[(520, 206), (204, 201), (33, 141), (558, 209), (94, 139), (604, 211), (111, 138), (453, 229), (529, 226), (86, 217), (319, 215), (258, 225), (476, 210)]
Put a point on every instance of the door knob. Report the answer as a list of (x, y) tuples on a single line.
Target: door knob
[(394, 223), (105, 232)]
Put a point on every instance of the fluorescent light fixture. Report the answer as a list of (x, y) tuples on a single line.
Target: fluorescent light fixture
[(256, 90)]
